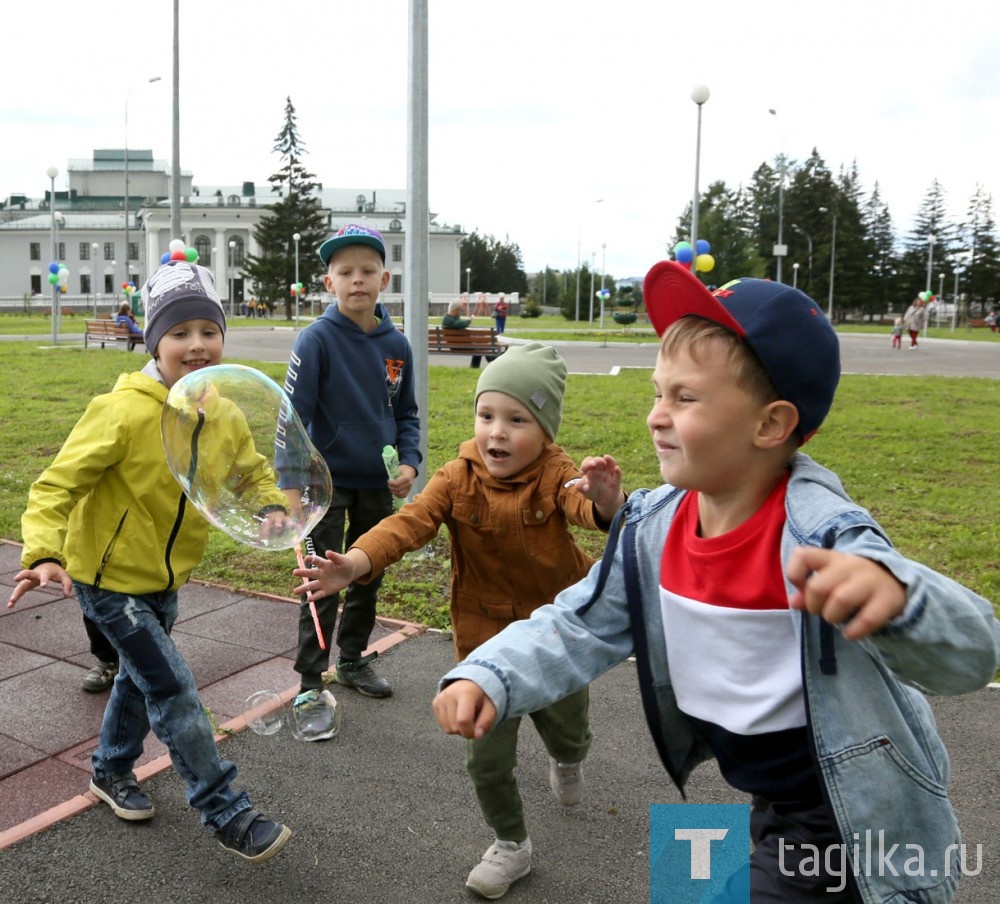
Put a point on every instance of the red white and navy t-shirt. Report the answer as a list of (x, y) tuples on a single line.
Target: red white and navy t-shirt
[(733, 652)]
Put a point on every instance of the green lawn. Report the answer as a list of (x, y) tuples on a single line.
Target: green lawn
[(920, 453)]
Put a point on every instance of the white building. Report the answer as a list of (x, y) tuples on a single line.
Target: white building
[(92, 233)]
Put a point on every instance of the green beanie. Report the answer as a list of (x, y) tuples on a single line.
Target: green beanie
[(535, 375)]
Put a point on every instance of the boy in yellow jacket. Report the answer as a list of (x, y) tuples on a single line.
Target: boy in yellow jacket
[(508, 501), (108, 520)]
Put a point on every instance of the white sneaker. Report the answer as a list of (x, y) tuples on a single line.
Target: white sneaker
[(566, 781), (503, 864)]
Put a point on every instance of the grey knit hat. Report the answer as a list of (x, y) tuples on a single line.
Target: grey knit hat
[(535, 375), (176, 292)]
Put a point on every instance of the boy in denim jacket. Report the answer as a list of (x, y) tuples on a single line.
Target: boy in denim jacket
[(774, 625)]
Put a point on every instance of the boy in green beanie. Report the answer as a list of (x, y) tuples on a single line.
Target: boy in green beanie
[(508, 501)]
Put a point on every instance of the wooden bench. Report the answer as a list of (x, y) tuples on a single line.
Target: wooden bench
[(108, 331), (478, 342)]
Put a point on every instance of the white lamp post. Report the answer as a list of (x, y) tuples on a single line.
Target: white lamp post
[(128, 276), (700, 95), (779, 249), (232, 249), (52, 172), (940, 298), (809, 271), (604, 252), (954, 307), (468, 279), (295, 237), (95, 250), (833, 260), (593, 260), (795, 275)]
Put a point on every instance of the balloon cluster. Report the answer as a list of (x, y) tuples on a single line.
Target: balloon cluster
[(59, 276), (297, 289), (178, 252), (604, 294), (926, 297), (703, 260), (128, 288)]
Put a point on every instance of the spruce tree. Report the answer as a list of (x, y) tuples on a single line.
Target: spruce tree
[(298, 210)]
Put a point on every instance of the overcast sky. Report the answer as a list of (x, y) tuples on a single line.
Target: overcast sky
[(561, 126)]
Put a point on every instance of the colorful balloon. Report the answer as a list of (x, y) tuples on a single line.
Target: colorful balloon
[(705, 263), (53, 267), (231, 437), (703, 246)]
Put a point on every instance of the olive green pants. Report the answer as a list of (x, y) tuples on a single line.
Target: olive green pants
[(564, 728)]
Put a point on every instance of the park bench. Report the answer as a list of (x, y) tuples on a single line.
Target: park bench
[(102, 330), (478, 342)]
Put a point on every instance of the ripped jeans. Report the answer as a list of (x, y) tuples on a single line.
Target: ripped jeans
[(156, 689)]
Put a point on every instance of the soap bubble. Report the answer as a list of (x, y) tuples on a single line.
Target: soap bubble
[(262, 712), (232, 438), (317, 720)]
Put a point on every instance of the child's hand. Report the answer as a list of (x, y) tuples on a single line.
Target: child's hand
[(601, 483), (400, 486), (325, 577), (845, 590), (463, 708), (275, 524), (40, 576)]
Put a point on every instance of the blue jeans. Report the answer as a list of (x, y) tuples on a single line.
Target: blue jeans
[(156, 689)]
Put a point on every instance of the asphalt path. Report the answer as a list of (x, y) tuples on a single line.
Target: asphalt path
[(861, 353), (384, 813)]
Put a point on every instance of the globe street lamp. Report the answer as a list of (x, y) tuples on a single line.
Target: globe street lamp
[(780, 249), (809, 274), (931, 239), (699, 94), (795, 275), (468, 279)]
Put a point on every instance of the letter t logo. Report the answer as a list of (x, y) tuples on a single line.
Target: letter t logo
[(701, 848)]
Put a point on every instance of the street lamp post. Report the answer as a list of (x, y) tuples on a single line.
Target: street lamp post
[(593, 260), (795, 275), (232, 249), (954, 307), (95, 249), (604, 252), (295, 237), (940, 298), (700, 95), (833, 261), (52, 172), (809, 271), (468, 279), (128, 276), (779, 249)]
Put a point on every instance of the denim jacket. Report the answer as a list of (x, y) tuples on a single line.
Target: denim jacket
[(882, 765)]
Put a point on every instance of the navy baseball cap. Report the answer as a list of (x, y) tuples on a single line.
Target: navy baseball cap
[(785, 328), (352, 234)]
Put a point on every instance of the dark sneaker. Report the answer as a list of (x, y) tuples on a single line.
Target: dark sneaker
[(122, 794), (100, 677), (315, 716), (252, 837), (359, 674)]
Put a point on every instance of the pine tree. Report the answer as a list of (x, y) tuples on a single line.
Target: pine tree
[(980, 257), (298, 211)]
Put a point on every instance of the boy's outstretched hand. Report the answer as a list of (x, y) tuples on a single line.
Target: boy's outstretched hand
[(463, 708), (40, 576), (325, 577), (601, 483), (846, 590)]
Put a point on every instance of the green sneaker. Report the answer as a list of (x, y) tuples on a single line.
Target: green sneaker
[(359, 674)]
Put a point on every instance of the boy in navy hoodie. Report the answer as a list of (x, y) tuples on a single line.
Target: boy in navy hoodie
[(350, 379)]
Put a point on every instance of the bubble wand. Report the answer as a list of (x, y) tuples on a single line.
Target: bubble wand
[(391, 461)]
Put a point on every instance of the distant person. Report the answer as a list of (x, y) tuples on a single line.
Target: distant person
[(897, 333), (351, 381), (500, 310), (453, 320), (915, 319), (108, 520), (127, 318), (775, 627), (504, 565)]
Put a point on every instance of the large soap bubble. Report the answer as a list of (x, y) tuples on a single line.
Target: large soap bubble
[(240, 453)]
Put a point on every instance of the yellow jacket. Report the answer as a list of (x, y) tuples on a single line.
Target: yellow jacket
[(511, 547), (109, 510)]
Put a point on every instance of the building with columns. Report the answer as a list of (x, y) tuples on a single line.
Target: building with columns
[(95, 227)]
